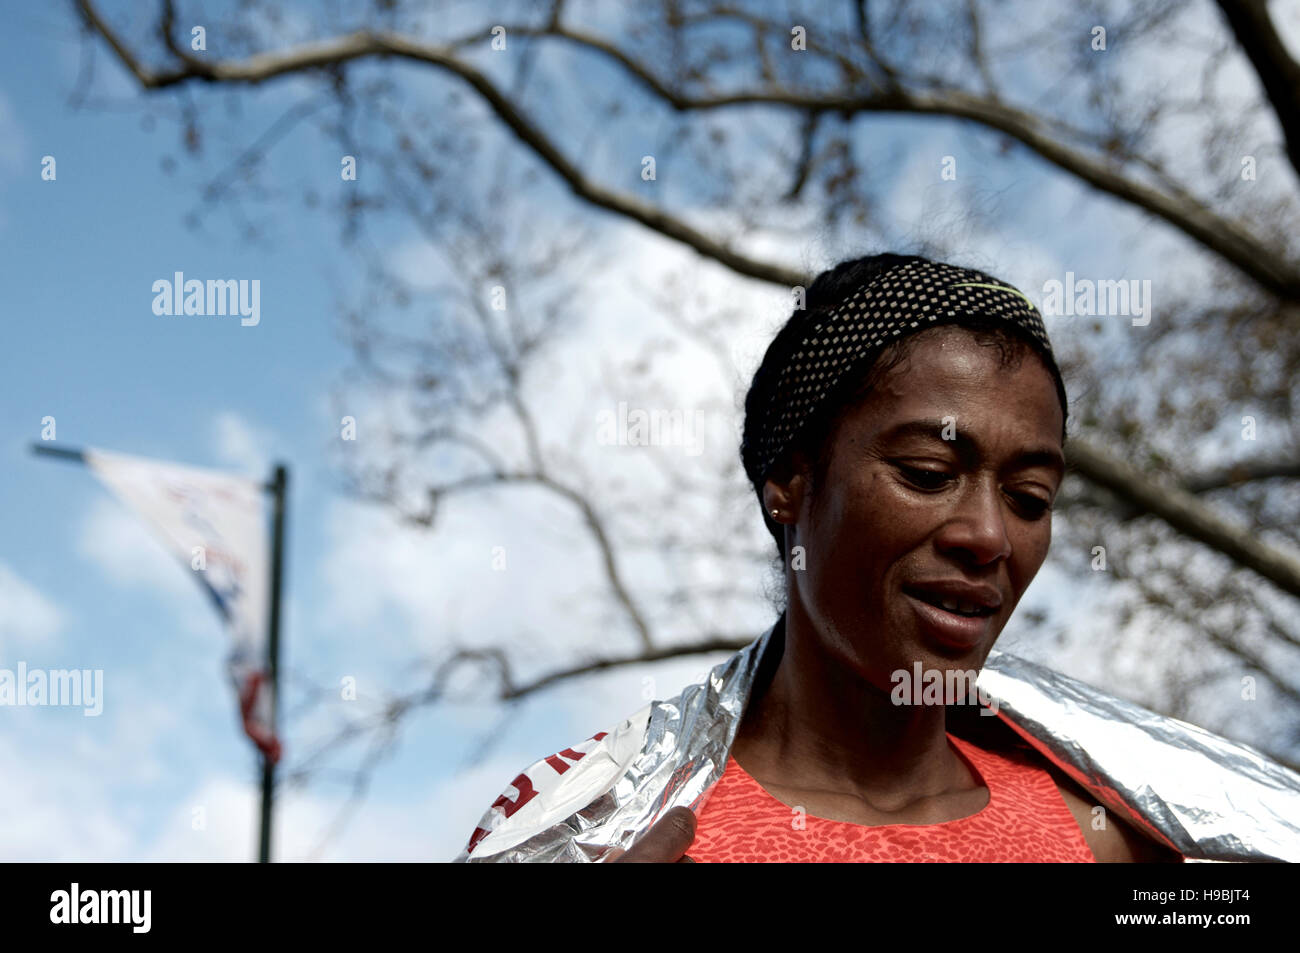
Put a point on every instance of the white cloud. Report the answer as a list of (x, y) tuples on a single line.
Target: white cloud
[(26, 616), (215, 822), (439, 586), (415, 261), (241, 443), (52, 813), (219, 822)]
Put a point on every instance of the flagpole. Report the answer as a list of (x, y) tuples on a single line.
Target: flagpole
[(73, 456), (279, 489)]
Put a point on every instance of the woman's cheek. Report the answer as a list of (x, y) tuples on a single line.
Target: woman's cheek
[(1034, 546)]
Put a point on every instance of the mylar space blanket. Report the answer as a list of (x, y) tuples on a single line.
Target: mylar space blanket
[(1209, 798)]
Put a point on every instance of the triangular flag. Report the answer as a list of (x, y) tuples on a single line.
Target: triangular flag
[(216, 524)]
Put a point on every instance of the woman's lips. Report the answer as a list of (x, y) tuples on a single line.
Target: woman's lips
[(957, 631)]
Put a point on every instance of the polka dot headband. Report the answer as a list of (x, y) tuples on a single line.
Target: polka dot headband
[(906, 299)]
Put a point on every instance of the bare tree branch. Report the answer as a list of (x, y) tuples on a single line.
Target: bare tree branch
[(265, 66), (1181, 510), (1251, 660), (1222, 236), (1235, 474), (1109, 160), (1278, 72), (709, 643), (1189, 515), (977, 49), (1230, 475)]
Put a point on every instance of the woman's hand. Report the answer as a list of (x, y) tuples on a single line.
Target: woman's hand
[(665, 843)]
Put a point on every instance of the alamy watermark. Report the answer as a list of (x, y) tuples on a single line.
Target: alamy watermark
[(638, 427), (1086, 297), (936, 686), (213, 297), (59, 688), (131, 907)]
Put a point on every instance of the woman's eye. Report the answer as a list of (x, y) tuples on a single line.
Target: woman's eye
[(925, 479), (1034, 506)]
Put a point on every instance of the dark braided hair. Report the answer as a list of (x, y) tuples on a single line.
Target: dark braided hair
[(828, 291)]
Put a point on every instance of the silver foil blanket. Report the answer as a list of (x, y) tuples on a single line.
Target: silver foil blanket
[(1209, 798)]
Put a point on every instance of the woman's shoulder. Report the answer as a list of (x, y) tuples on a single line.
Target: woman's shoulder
[(1111, 840)]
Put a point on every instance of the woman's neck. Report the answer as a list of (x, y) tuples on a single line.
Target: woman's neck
[(818, 725)]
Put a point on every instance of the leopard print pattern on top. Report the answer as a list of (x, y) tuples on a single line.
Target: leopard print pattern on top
[(1025, 820)]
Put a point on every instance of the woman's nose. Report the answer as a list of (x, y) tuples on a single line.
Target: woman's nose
[(978, 526)]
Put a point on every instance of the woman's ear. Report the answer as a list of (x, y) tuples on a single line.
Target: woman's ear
[(783, 493)]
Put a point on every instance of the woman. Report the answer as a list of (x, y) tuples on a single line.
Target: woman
[(904, 436)]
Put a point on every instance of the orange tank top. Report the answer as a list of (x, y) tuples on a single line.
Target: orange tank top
[(1025, 820)]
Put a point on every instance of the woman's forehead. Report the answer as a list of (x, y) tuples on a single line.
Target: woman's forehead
[(954, 378)]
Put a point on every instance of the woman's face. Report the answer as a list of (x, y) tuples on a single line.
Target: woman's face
[(940, 479)]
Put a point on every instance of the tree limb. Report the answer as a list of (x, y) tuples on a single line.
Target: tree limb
[(1179, 508), (1246, 471), (264, 66), (1220, 235), (1231, 475), (711, 644), (1185, 513), (1277, 71)]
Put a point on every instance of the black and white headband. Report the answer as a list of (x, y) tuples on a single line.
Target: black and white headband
[(906, 299)]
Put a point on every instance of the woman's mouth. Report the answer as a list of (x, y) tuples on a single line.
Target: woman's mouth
[(955, 623)]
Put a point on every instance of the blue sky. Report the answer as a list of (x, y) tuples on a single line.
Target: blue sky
[(83, 585)]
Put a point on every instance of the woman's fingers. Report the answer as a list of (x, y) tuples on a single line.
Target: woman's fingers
[(665, 843)]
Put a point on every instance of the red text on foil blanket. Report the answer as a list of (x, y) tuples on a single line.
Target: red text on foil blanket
[(560, 766), (508, 805)]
